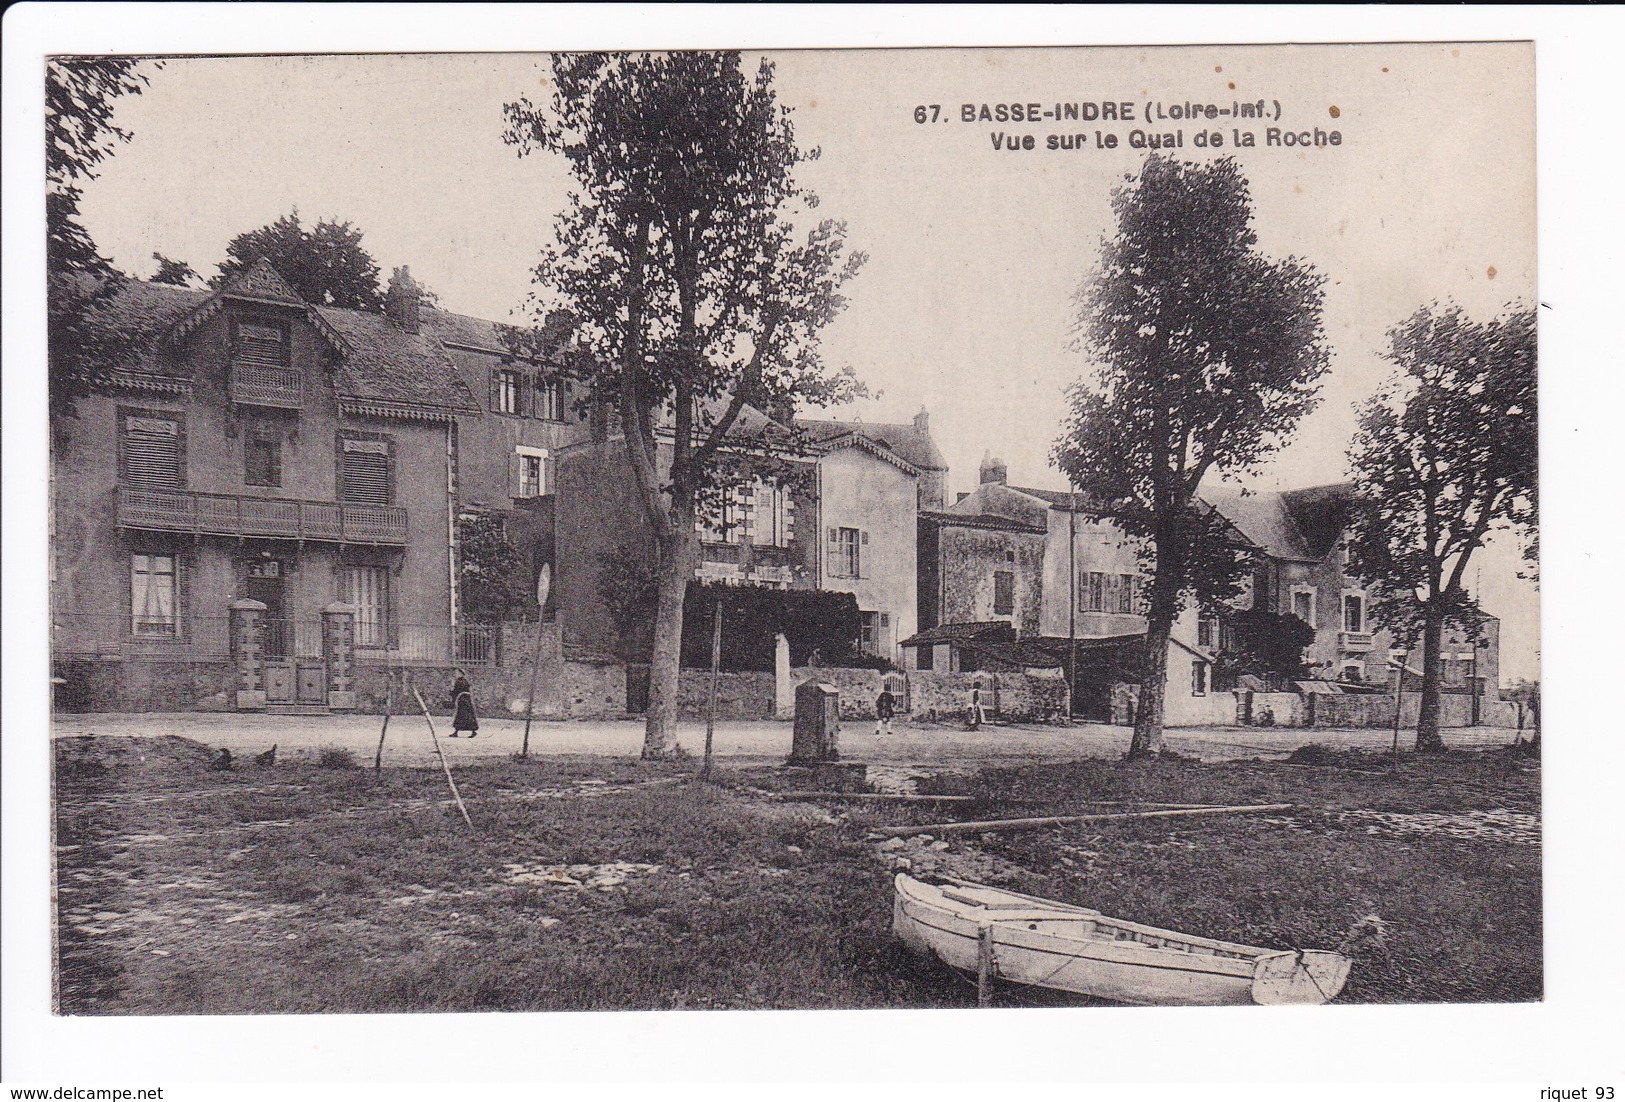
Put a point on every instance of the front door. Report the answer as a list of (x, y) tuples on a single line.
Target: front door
[(265, 584)]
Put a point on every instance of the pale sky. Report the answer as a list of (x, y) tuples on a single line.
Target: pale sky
[(964, 306)]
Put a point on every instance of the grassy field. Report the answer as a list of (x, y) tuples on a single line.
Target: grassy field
[(606, 884)]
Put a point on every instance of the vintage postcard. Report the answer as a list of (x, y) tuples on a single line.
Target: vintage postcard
[(808, 529)]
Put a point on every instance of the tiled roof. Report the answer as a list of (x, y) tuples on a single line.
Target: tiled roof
[(1263, 519), (1017, 654), (985, 630), (979, 520), (143, 312), (384, 366), (389, 365), (1298, 524), (913, 445)]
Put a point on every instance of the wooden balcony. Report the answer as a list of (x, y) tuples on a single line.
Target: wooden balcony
[(273, 387), (236, 515)]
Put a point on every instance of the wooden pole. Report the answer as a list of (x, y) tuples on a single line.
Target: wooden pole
[(1067, 820), (544, 580), (1399, 705), (984, 967), (530, 696), (711, 693), (389, 706), (453, 784)]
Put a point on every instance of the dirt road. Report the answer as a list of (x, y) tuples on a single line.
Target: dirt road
[(408, 742)]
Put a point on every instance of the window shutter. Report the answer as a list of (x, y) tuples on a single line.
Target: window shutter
[(183, 609), (152, 453), (491, 393), (366, 472), (262, 345), (516, 475)]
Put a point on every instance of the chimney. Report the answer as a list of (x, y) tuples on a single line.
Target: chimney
[(922, 421), (994, 470), (401, 300)]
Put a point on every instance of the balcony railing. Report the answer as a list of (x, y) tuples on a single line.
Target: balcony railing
[(277, 387), (1354, 641), (236, 515)]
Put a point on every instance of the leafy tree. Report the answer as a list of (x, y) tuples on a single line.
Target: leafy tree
[(1266, 644), (83, 347), (495, 578), (325, 263), (1445, 454), (693, 290), (1208, 354), (178, 272)]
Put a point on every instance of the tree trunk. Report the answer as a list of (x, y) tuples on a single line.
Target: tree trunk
[(676, 567), (1428, 740), (1153, 685)]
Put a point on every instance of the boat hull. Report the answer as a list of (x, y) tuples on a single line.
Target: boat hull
[(1072, 949)]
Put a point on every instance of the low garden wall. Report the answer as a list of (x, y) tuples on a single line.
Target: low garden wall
[(104, 684)]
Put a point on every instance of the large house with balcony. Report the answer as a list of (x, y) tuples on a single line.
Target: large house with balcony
[(255, 446)]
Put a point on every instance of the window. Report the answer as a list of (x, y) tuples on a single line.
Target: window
[(365, 475), (1004, 593), (262, 457), (925, 657), (1207, 632), (1353, 612), (154, 451), (1126, 594), (367, 588), (1198, 678), (261, 345), (505, 392), (1092, 593), (874, 632), (845, 552), (770, 522), (529, 471), (1303, 604), (1353, 671), (549, 399), (154, 610)]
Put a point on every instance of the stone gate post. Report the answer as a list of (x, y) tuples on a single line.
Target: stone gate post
[(248, 652), (338, 649)]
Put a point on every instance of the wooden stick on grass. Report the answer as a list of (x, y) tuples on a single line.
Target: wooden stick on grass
[(442, 757), (389, 706), (991, 825)]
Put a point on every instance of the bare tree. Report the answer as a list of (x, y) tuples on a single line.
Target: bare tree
[(693, 292), (1208, 354)]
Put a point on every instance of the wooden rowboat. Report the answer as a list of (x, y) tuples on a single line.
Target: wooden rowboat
[(1026, 940)]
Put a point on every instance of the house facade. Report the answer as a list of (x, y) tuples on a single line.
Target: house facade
[(844, 523), (256, 448)]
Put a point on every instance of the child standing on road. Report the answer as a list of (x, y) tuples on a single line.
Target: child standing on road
[(885, 708), (462, 696)]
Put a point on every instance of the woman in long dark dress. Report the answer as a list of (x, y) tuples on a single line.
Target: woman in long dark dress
[(463, 719)]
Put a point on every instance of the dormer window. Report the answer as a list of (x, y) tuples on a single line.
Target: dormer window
[(262, 372), (261, 345), (505, 391)]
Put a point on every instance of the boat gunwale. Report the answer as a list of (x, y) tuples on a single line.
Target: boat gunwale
[(1242, 951), (1241, 969)]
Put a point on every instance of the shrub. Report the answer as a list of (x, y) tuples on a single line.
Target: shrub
[(336, 757)]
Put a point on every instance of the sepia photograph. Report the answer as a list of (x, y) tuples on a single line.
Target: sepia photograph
[(1046, 528)]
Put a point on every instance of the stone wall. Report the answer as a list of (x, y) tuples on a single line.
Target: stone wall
[(739, 695), (1363, 710), (937, 694), (137, 685)]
